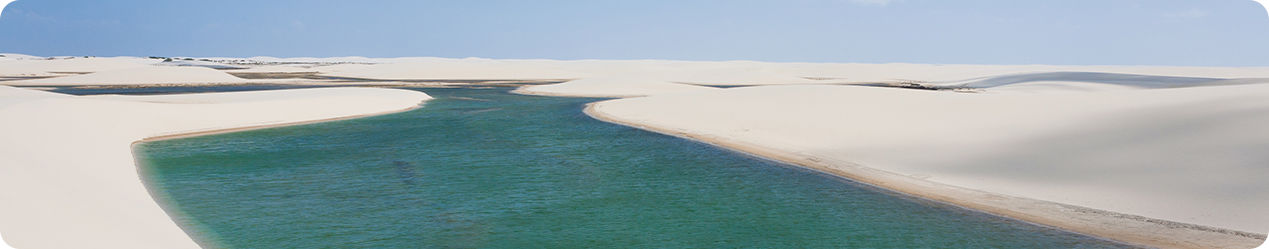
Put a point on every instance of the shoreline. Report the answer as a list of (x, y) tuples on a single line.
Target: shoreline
[(186, 134), (172, 212), (1119, 227)]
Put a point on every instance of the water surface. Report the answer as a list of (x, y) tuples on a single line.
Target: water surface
[(481, 168)]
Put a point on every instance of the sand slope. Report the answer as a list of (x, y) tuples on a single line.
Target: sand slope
[(67, 176), (611, 87), (139, 76), (1192, 155)]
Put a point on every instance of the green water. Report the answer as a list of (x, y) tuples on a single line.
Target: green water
[(480, 168)]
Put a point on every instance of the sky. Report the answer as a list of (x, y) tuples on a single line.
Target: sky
[(1055, 32)]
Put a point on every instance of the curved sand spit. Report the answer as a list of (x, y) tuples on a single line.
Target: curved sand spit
[(67, 177)]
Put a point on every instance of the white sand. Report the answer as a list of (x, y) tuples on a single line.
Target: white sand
[(612, 87), (273, 69), (337, 68), (145, 75), (1192, 155), (206, 64), (19, 56), (461, 70), (723, 77), (738, 73), (67, 176), (854, 72), (77, 65), (1052, 87)]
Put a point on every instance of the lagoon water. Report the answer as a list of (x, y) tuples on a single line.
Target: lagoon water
[(481, 168)]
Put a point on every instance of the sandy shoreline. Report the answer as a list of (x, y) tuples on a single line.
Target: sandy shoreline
[(1126, 228), (179, 135), (173, 212)]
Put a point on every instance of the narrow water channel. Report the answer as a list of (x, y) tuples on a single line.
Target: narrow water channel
[(481, 168)]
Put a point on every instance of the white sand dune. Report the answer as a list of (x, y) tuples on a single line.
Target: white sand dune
[(461, 70), (1134, 80), (273, 69), (611, 67), (338, 68), (312, 59), (77, 65), (1192, 155), (864, 73), (723, 77), (206, 64), (19, 56), (146, 75), (67, 176), (612, 87), (1057, 87)]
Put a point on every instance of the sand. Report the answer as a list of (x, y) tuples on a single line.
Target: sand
[(32, 67), (723, 77), (273, 69), (145, 75), (611, 87), (1189, 155), (337, 68), (67, 175), (462, 70), (195, 63), (864, 73)]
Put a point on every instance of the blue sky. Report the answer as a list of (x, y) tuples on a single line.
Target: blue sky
[(1063, 32)]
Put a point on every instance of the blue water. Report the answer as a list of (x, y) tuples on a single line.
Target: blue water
[(481, 168)]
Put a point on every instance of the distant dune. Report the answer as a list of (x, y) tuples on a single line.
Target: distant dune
[(28, 67), (143, 75)]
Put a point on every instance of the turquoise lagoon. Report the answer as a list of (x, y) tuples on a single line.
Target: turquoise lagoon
[(482, 168)]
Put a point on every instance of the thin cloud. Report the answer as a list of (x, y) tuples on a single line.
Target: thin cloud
[(298, 25), (24, 15), (882, 3), (1192, 13)]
